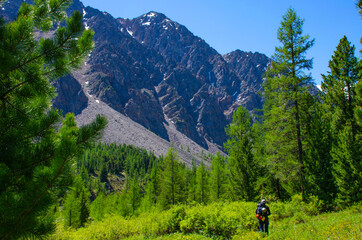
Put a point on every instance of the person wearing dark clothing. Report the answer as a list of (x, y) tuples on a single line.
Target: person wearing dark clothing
[(264, 219)]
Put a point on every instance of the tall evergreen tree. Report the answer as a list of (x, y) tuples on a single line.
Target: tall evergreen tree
[(36, 149), (134, 193), (103, 173), (153, 187), (218, 179), (241, 161), (202, 184), (173, 184), (358, 109), (192, 197), (339, 98), (98, 207), (285, 88), (76, 204), (266, 181), (318, 142)]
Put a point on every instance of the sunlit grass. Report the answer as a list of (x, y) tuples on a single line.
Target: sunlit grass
[(234, 220)]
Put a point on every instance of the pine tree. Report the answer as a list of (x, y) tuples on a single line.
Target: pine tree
[(37, 147), (76, 204), (339, 98), (202, 184), (241, 161), (285, 88), (218, 178)]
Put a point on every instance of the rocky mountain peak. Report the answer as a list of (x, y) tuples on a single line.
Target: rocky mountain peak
[(157, 73), (152, 17)]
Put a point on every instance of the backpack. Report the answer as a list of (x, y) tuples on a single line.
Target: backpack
[(259, 210), (259, 213)]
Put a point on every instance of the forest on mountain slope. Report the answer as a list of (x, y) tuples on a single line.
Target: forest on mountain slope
[(303, 156)]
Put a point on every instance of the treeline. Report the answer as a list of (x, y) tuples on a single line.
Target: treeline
[(114, 159), (147, 182)]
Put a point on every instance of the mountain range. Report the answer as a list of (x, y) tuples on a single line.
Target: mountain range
[(158, 83)]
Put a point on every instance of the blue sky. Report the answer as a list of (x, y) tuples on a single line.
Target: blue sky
[(251, 25)]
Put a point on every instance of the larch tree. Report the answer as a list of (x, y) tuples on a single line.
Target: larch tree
[(202, 184), (339, 99), (173, 180), (152, 187), (37, 145), (76, 204), (318, 142), (192, 197), (134, 193), (266, 181), (285, 87), (218, 179), (241, 161)]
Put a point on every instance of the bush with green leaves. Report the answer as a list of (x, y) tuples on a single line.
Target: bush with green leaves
[(235, 220)]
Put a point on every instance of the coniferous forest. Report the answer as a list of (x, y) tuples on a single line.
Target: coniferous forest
[(58, 181)]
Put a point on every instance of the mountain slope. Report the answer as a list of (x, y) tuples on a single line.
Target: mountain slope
[(155, 72)]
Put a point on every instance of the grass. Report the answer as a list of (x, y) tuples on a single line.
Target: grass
[(234, 220), (337, 225)]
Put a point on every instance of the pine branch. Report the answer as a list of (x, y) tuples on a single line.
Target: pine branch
[(22, 169), (97, 125), (13, 88), (24, 114), (44, 53), (35, 134), (19, 41), (32, 60), (57, 7), (28, 210), (74, 60)]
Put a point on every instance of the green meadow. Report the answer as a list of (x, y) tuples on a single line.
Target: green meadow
[(234, 220)]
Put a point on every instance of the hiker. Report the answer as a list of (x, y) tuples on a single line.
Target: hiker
[(262, 213)]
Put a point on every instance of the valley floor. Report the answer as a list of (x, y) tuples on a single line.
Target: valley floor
[(234, 220)]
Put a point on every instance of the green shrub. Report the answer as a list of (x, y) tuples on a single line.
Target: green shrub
[(236, 220), (219, 219), (177, 215)]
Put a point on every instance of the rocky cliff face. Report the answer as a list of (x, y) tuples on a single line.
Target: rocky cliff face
[(159, 74), (201, 88), (250, 68), (70, 95)]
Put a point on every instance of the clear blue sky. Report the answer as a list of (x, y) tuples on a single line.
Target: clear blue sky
[(251, 25)]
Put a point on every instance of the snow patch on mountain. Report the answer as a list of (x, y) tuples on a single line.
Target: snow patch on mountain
[(151, 14), (129, 32)]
